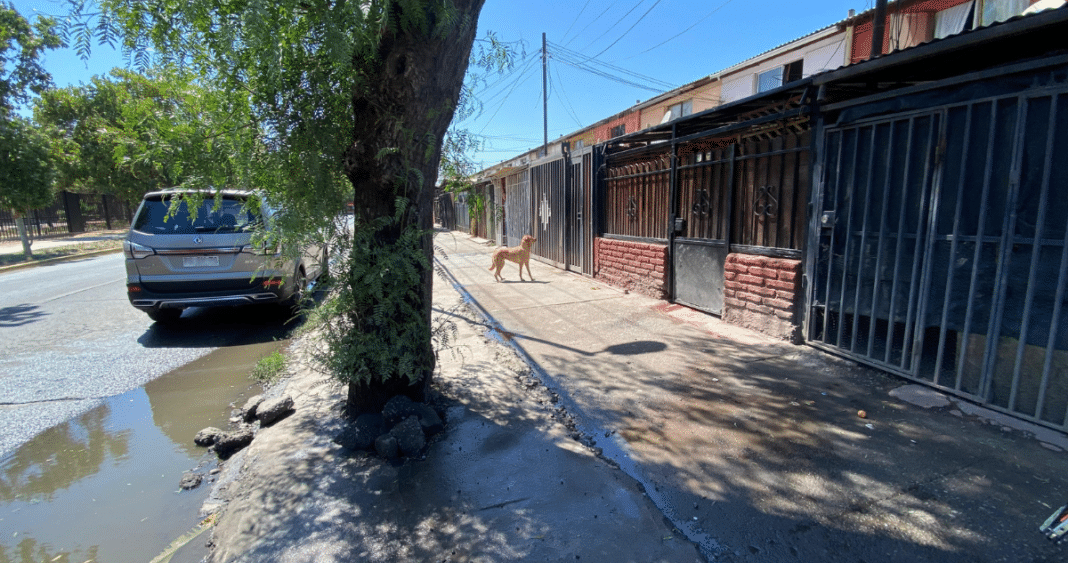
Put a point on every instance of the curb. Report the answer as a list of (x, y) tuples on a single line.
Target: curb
[(49, 261)]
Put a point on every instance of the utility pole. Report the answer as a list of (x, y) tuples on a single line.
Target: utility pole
[(878, 29), (544, 97)]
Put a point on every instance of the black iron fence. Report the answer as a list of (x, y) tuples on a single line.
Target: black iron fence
[(70, 213)]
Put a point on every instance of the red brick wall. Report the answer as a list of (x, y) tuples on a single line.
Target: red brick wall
[(761, 293), (632, 120), (636, 266)]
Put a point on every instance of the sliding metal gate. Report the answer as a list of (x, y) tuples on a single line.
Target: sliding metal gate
[(942, 252)]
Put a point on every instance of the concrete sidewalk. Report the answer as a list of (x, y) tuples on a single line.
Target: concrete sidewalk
[(757, 450)]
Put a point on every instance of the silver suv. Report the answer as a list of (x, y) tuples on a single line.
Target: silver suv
[(174, 261)]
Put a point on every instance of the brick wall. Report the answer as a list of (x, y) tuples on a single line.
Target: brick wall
[(761, 293), (636, 266)]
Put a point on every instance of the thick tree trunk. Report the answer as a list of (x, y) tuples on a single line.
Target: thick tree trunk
[(402, 109)]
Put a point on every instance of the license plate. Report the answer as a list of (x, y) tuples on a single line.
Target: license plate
[(200, 261)]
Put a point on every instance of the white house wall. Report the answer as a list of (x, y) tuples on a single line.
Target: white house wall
[(825, 54)]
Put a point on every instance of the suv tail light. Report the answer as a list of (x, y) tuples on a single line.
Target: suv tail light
[(136, 251)]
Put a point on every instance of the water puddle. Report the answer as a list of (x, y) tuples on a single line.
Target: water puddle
[(103, 487)]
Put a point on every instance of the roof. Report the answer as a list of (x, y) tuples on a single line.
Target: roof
[(1016, 40)]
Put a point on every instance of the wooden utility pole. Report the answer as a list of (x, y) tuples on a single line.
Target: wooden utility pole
[(544, 97)]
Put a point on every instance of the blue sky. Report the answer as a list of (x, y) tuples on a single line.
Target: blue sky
[(672, 42)]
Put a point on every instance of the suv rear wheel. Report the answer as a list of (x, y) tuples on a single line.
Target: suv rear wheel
[(164, 315), (300, 286)]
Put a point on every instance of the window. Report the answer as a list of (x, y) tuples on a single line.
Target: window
[(678, 110), (771, 79), (618, 130), (910, 29), (1001, 10)]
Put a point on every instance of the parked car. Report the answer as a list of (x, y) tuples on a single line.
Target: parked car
[(175, 261)]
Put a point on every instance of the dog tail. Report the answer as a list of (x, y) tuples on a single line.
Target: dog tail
[(491, 266)]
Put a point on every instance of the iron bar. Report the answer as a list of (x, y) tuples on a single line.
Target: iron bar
[(891, 318), (951, 275), (917, 259), (870, 172), (1008, 226), (850, 185), (1036, 253)]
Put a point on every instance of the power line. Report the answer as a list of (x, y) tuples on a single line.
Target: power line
[(567, 103), (576, 58), (591, 23), (695, 24), (620, 20), (564, 36), (628, 29)]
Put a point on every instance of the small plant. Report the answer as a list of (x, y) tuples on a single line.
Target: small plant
[(269, 368)]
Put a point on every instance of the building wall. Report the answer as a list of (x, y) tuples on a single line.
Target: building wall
[(704, 97), (635, 266), (762, 294), (821, 55), (919, 26), (631, 118)]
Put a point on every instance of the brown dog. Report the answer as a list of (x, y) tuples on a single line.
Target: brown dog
[(518, 254)]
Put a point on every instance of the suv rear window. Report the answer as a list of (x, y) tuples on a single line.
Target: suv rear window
[(231, 217)]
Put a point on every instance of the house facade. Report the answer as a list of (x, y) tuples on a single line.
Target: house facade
[(906, 211)]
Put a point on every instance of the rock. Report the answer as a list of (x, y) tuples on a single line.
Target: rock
[(207, 436), (249, 410), (353, 438), (190, 480), (409, 435), (397, 409), (230, 443), (429, 419), (372, 423), (273, 410), (386, 446)]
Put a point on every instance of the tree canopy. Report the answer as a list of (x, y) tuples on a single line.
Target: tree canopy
[(25, 162), (133, 133), (361, 91), (25, 166), (21, 46)]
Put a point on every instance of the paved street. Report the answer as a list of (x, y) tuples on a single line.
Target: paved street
[(98, 407)]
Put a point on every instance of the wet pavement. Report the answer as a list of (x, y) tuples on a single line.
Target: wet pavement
[(103, 486)]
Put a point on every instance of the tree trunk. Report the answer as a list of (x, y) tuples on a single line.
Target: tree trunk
[(402, 108), (20, 226)]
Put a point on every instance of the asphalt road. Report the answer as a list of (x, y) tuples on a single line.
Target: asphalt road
[(69, 339)]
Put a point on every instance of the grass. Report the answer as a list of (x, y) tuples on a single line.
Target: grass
[(60, 252), (269, 368)]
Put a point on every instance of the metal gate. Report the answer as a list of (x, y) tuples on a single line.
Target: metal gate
[(942, 252), (706, 188), (579, 232), (517, 208), (743, 196)]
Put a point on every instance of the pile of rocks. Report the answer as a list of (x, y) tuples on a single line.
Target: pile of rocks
[(267, 411), (402, 428)]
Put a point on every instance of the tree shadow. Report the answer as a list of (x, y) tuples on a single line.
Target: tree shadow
[(762, 448), (20, 315)]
